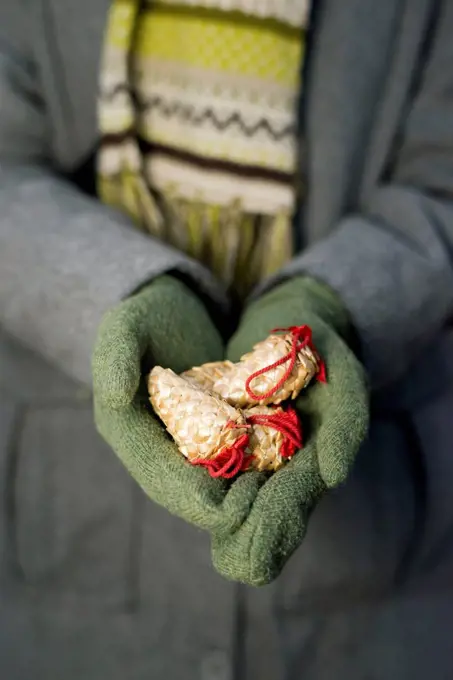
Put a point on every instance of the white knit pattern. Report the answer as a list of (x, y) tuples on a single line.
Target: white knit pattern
[(293, 12)]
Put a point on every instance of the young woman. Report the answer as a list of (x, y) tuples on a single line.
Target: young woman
[(193, 167)]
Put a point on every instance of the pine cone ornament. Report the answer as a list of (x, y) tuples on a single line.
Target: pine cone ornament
[(207, 430), (202, 408), (275, 436), (277, 369), (205, 376)]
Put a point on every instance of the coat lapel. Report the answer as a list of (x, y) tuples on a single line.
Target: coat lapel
[(73, 33), (413, 29), (351, 52)]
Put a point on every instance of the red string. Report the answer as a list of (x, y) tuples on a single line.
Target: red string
[(321, 375), (288, 423), (301, 337), (232, 460), (229, 462)]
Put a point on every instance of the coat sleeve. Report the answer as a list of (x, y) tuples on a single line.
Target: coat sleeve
[(392, 264), (64, 257)]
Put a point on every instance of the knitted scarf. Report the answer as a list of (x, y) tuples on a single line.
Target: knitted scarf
[(198, 133)]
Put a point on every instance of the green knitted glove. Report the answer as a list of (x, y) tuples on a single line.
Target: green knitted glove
[(334, 418), (164, 324)]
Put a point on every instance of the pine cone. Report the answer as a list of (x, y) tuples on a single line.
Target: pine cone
[(232, 385), (205, 376), (264, 442), (202, 425), (272, 440)]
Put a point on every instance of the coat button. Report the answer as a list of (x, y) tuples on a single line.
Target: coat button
[(216, 666)]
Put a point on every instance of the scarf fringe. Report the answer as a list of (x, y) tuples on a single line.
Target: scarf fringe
[(235, 245)]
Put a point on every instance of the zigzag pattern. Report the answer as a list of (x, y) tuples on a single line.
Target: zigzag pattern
[(188, 114)]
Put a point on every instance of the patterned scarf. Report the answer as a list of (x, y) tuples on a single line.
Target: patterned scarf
[(198, 126)]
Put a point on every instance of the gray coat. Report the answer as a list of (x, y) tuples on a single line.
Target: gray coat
[(96, 582)]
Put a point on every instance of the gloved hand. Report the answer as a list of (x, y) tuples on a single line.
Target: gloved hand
[(164, 324), (334, 419)]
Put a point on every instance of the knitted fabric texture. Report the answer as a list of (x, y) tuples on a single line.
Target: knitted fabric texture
[(334, 419), (197, 117), (153, 327), (255, 522)]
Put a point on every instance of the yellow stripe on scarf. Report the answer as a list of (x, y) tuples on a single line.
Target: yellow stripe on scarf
[(197, 117), (221, 42)]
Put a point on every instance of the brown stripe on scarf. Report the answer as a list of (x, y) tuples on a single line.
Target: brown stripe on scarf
[(202, 162)]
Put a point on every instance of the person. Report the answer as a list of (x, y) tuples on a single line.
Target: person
[(171, 172)]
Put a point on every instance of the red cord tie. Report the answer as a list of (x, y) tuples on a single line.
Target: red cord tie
[(230, 460), (301, 337), (288, 423), (233, 459)]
